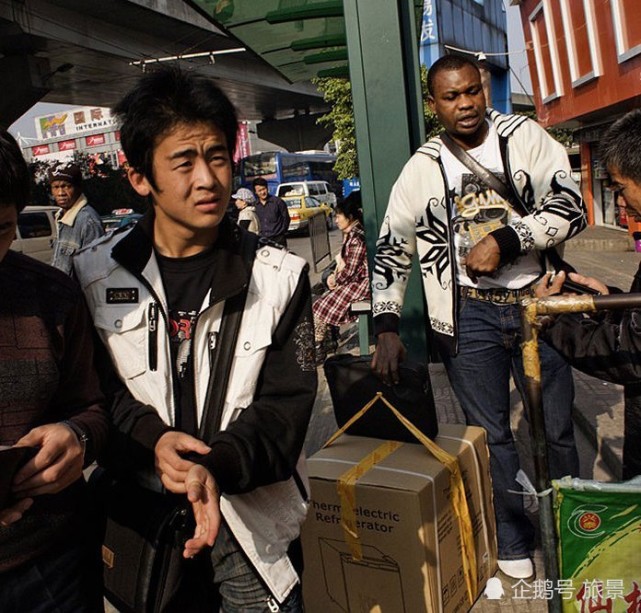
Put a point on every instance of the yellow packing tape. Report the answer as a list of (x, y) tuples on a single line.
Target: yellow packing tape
[(346, 488)]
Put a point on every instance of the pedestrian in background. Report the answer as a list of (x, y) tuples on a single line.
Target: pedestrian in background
[(608, 345), (479, 253), (78, 222), (50, 401), (247, 218), (272, 213), (348, 283)]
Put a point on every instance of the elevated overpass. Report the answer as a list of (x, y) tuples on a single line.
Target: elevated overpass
[(79, 52)]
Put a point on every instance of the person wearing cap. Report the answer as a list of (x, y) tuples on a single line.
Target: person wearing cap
[(78, 223), (247, 218)]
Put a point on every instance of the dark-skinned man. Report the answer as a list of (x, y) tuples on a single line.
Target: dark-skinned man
[(479, 254)]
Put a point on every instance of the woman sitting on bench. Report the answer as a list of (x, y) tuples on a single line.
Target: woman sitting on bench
[(350, 281)]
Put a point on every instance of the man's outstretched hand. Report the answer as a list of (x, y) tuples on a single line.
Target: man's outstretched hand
[(203, 495)]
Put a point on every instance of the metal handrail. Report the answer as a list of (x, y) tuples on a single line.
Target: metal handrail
[(531, 310)]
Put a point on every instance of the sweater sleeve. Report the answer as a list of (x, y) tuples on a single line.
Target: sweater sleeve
[(395, 249), (79, 398), (263, 445), (546, 186), (608, 348)]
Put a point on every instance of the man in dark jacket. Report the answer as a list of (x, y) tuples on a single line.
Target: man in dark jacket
[(156, 292), (609, 346), (272, 213), (49, 401)]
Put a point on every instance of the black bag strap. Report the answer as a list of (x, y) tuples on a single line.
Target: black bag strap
[(486, 175), (503, 190), (223, 351)]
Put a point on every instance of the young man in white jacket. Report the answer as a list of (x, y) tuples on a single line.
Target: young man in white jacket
[(156, 292), (479, 254)]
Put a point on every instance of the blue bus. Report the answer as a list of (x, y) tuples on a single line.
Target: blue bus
[(278, 167)]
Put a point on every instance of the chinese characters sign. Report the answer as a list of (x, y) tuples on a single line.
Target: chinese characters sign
[(74, 122)]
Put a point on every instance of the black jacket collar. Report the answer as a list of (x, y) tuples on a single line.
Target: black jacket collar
[(232, 270)]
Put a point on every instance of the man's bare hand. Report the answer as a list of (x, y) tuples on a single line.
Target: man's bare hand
[(390, 352), (595, 284), (205, 503), (483, 259), (171, 467), (14, 513), (57, 464), (544, 288)]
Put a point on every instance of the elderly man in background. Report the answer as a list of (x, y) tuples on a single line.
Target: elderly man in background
[(78, 223)]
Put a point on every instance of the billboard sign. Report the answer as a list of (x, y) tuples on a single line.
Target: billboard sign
[(73, 122)]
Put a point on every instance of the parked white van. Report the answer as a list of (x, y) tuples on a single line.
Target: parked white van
[(318, 189), (36, 232)]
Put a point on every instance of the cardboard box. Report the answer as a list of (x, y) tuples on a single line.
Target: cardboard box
[(410, 537)]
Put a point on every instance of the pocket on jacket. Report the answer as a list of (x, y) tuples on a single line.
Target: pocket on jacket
[(253, 340), (249, 356), (123, 328)]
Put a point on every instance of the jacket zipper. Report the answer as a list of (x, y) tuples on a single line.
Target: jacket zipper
[(153, 336), (452, 250)]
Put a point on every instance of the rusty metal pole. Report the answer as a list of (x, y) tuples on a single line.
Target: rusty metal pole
[(531, 308), (534, 407)]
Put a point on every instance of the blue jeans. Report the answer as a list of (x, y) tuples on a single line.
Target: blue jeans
[(489, 339), (240, 587)]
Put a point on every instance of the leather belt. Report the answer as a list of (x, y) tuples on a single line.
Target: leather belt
[(496, 295)]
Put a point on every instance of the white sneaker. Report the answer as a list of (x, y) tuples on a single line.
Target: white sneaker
[(517, 569)]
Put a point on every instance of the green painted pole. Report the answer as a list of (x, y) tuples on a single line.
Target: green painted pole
[(382, 47)]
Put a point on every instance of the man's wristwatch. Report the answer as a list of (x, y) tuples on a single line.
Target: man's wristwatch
[(79, 431)]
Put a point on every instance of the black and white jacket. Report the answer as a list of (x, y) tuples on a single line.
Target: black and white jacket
[(256, 457), (419, 213)]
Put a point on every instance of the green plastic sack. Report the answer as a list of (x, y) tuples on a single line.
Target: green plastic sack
[(599, 530)]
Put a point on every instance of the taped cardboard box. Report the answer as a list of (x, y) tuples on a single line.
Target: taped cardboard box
[(411, 557)]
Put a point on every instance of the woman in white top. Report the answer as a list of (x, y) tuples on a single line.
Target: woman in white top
[(247, 218)]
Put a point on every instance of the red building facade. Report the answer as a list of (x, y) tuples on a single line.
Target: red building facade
[(585, 63)]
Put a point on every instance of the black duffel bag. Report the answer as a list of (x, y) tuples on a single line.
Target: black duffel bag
[(352, 384)]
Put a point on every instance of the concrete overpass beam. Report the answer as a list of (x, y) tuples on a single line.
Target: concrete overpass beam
[(296, 133), (23, 81)]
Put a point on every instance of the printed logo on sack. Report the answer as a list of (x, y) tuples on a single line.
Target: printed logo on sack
[(585, 521)]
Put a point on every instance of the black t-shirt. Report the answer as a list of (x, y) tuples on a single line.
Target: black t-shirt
[(186, 282)]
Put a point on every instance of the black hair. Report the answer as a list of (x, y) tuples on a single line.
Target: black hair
[(162, 99), (352, 206), (259, 181), (621, 146), (15, 178), (448, 62)]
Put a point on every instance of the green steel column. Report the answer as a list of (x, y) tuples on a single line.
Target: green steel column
[(384, 72)]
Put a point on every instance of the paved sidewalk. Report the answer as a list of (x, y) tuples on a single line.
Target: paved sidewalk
[(598, 409)]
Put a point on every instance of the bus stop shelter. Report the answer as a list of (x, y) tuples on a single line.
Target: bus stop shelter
[(375, 44)]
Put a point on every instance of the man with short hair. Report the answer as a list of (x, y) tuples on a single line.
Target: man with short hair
[(78, 223), (272, 213), (157, 293), (609, 346), (479, 254), (50, 400)]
